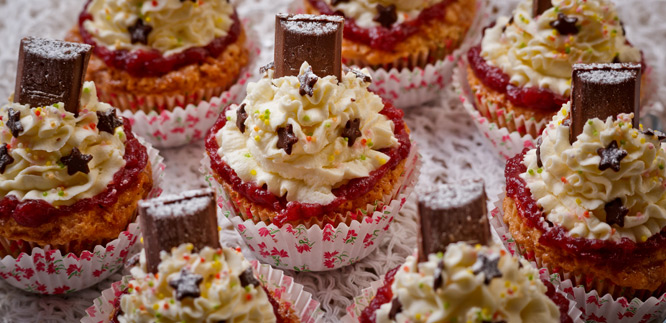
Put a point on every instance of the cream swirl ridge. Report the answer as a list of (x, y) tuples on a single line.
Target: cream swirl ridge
[(322, 158), (516, 295), (176, 25), (223, 298), (535, 54), (50, 133), (364, 11), (574, 192)]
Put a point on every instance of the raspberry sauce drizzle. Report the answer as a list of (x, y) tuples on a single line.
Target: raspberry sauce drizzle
[(292, 211), (384, 295), (620, 253), (146, 63), (33, 213)]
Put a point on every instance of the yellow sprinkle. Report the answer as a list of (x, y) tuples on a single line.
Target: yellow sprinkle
[(564, 112), (642, 140), (219, 228), (578, 201), (640, 126), (208, 284), (156, 307), (507, 284), (108, 17), (634, 134), (257, 138), (644, 238), (147, 19), (48, 163), (477, 246), (331, 158), (267, 122), (160, 296), (502, 295), (253, 172), (217, 265), (382, 161), (189, 247), (417, 316), (141, 239)]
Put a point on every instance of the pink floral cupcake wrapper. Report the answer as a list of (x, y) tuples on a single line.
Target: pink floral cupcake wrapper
[(319, 249), (283, 287), (183, 125), (595, 308), (46, 271)]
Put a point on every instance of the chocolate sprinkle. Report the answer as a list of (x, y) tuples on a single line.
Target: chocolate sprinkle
[(139, 32), (186, 284), (352, 131), (488, 267), (615, 212), (396, 307), (286, 138), (5, 158), (265, 68), (611, 156), (359, 74), (439, 281), (651, 133), (108, 121), (241, 116), (76, 162), (565, 25), (14, 122), (386, 16), (538, 152), (247, 278), (308, 81)]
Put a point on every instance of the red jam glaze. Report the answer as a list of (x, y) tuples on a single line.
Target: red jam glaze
[(380, 37), (33, 213), (294, 211), (560, 300), (384, 295), (618, 253), (146, 63)]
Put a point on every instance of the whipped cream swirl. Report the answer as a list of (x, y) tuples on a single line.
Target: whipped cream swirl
[(364, 11)]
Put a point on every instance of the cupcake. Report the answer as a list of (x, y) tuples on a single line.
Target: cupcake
[(520, 74), (309, 145), (459, 281), (589, 201), (159, 55)]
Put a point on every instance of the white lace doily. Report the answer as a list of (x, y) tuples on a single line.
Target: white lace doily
[(451, 146)]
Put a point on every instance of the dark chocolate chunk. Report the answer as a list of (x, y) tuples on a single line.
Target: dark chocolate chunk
[(386, 15), (247, 278), (265, 68), (396, 307), (186, 284), (308, 81), (616, 59), (565, 25), (14, 122), (352, 131), (615, 212), (5, 158), (602, 91), (169, 221), (51, 71), (76, 162), (611, 156), (488, 267), (540, 6), (108, 121), (450, 213), (508, 24), (241, 116), (315, 39), (139, 32), (439, 281), (286, 138), (336, 2), (359, 74), (652, 133), (538, 152)]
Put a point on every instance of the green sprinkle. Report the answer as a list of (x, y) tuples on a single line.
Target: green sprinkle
[(248, 155), (580, 172), (228, 118), (590, 122), (531, 171), (661, 166), (567, 50), (267, 111), (530, 277), (59, 163), (420, 285), (306, 118), (86, 90), (328, 125), (45, 194), (539, 170), (172, 301), (248, 288), (440, 255), (622, 142), (61, 193), (150, 284), (362, 157)]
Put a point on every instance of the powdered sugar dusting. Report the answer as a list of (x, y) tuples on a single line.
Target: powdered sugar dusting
[(439, 196), (607, 73), (311, 24), (55, 49), (183, 204)]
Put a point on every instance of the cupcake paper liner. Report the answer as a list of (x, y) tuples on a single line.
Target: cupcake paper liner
[(319, 249), (48, 271), (178, 126), (283, 287), (595, 306), (360, 302)]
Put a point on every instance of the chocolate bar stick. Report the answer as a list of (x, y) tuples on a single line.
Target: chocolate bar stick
[(51, 71), (602, 91), (540, 6), (315, 39)]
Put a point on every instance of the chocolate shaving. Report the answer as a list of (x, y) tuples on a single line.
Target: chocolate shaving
[(286, 138), (186, 284), (386, 15), (488, 267), (352, 131), (611, 156), (396, 307), (359, 74), (308, 81), (108, 121), (565, 25), (265, 68), (439, 281), (5, 158), (14, 122), (540, 6), (652, 133), (615, 212), (508, 24), (241, 116), (76, 162), (139, 32), (538, 152), (247, 278)]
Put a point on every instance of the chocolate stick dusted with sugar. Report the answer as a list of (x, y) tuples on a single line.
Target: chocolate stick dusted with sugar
[(450, 213), (315, 39), (540, 6), (51, 71), (602, 91), (172, 220)]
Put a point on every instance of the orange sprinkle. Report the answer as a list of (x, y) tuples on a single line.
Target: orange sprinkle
[(217, 276), (166, 306), (157, 275), (237, 249), (563, 179), (138, 288), (406, 269), (186, 257), (586, 214), (364, 141), (142, 308), (9, 146), (502, 252), (308, 138), (248, 297), (37, 113), (612, 230), (203, 259)]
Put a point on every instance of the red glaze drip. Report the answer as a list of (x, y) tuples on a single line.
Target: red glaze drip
[(619, 253), (292, 211), (33, 213), (384, 295), (145, 63), (380, 37)]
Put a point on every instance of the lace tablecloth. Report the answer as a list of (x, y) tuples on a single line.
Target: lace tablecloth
[(450, 144)]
